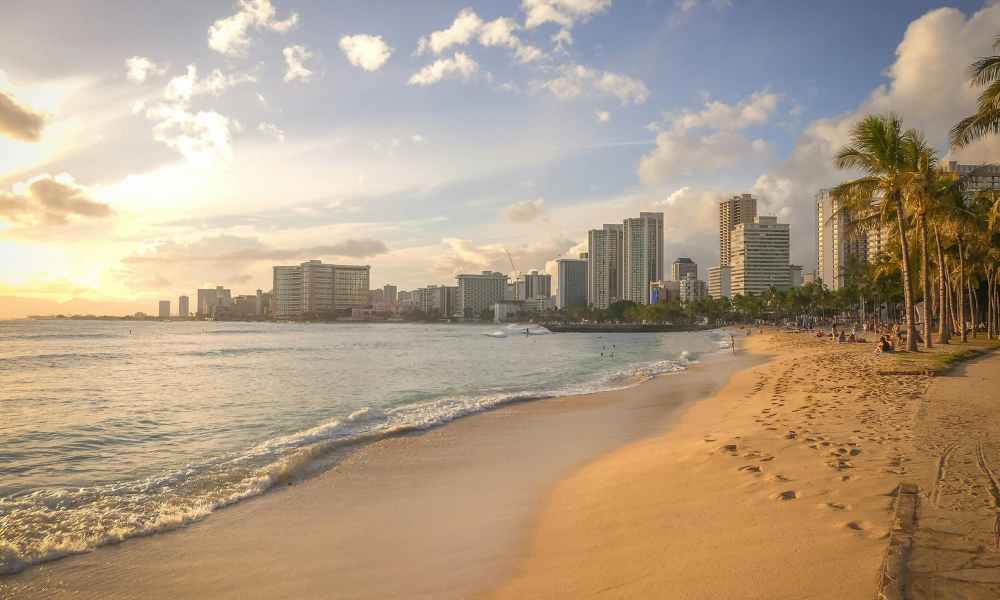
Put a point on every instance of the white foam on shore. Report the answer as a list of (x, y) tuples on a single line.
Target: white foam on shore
[(49, 524)]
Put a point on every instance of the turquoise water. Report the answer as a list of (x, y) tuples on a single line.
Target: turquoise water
[(114, 429)]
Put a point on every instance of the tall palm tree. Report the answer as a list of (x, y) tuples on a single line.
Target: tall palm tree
[(878, 148), (921, 189)]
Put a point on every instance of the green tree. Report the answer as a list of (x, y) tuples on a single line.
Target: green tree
[(878, 149)]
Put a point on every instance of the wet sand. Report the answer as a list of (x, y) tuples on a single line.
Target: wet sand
[(446, 513)]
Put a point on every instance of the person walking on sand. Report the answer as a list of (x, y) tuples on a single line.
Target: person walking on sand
[(732, 343)]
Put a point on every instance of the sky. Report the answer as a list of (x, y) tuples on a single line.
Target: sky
[(148, 148)]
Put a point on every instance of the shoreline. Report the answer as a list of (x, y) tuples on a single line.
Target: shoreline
[(586, 426)]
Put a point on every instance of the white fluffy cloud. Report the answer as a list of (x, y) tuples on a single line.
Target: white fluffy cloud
[(564, 13), (231, 35), (183, 88), (603, 116), (295, 63), (369, 52), (272, 130), (18, 121), (927, 87), (705, 140), (49, 200), (468, 27), (525, 211), (202, 137), (576, 80), (757, 109), (139, 68), (460, 66)]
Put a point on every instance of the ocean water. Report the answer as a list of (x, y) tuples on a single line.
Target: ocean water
[(110, 430)]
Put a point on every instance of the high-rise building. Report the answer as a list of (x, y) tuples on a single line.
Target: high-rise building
[(720, 282), (604, 267), (262, 307), (692, 289), (739, 209), (477, 293), (536, 285), (642, 251), (571, 276), (210, 299), (390, 294), (164, 309), (314, 287), (760, 256), (682, 267), (287, 299), (838, 240), (350, 286), (976, 177), (183, 310), (795, 275)]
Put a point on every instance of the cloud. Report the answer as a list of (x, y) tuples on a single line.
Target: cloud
[(50, 200), (562, 39), (202, 137), (603, 116), (183, 88), (576, 80), (231, 35), (241, 251), (468, 26), (19, 122), (687, 6), (564, 13), (295, 58), (465, 256), (272, 130), (139, 69), (681, 154), (754, 110), (366, 51), (460, 65), (709, 139), (524, 211), (927, 87)]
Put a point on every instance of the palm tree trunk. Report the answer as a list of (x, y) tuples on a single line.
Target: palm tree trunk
[(973, 306), (904, 247), (944, 330), (925, 280), (963, 334)]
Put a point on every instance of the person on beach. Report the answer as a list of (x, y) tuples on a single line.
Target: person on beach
[(883, 346), (732, 343)]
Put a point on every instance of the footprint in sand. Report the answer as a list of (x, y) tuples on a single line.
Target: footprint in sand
[(788, 495), (835, 506)]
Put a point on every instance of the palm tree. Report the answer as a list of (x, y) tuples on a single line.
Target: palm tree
[(984, 73), (921, 192), (878, 148)]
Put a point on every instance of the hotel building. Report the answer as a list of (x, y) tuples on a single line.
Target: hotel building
[(643, 255), (759, 258), (682, 267), (837, 241), (571, 276), (604, 265), (720, 282), (735, 211), (477, 293)]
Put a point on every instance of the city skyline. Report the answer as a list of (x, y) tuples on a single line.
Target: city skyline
[(179, 154)]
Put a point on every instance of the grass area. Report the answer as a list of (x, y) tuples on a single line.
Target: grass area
[(940, 359)]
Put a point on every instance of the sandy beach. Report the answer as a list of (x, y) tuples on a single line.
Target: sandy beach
[(768, 474), (780, 486)]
